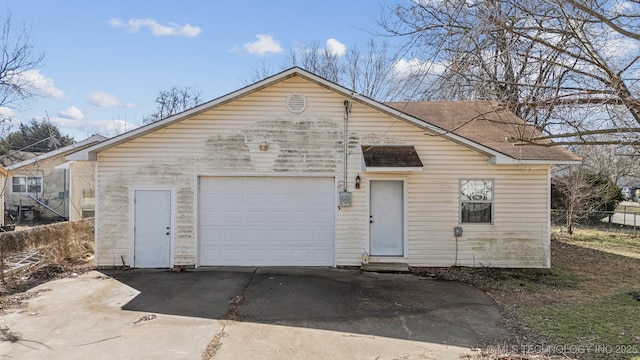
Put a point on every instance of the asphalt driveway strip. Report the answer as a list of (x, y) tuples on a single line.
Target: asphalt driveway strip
[(400, 306)]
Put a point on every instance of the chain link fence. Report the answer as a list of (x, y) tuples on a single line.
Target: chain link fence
[(623, 219)]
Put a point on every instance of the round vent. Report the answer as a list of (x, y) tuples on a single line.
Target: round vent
[(296, 103)]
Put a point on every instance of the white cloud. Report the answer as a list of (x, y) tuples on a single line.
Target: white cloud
[(37, 83), (621, 8), (102, 99), (265, 44), (6, 113), (406, 67), (105, 127), (71, 112), (335, 47), (171, 29)]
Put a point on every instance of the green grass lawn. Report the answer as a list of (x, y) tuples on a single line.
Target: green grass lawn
[(600, 313), (586, 307)]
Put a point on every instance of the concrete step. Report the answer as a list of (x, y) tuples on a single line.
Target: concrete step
[(386, 267)]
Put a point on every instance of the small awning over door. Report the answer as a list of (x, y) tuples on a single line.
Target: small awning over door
[(390, 158)]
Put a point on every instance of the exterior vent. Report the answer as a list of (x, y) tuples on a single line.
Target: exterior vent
[(296, 103)]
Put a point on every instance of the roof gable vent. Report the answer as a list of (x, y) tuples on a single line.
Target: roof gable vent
[(296, 103)]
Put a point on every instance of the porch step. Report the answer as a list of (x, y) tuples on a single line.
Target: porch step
[(386, 267)]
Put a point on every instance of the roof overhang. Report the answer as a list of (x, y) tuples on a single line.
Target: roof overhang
[(64, 166), (67, 149), (390, 158), (495, 157), (507, 160)]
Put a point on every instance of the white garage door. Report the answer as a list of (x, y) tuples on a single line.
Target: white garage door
[(273, 221)]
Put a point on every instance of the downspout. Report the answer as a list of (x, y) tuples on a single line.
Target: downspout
[(346, 140)]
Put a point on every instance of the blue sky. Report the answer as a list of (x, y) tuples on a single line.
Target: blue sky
[(105, 61)]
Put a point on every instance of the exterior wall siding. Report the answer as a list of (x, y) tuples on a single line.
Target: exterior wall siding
[(54, 182), (81, 189), (225, 141)]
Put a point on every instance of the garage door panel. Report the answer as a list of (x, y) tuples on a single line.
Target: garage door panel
[(279, 201), (255, 237), (323, 217), (323, 200), (302, 200), (277, 237), (258, 217), (255, 256), (256, 200), (278, 221), (320, 236), (301, 218), (318, 255)]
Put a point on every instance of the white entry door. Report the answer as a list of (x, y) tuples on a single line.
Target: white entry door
[(152, 231), (386, 218)]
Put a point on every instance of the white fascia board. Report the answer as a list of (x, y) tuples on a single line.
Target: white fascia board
[(64, 166), (507, 160), (373, 169), (91, 153), (50, 154)]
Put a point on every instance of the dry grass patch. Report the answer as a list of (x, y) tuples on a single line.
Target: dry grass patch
[(586, 307), (55, 250)]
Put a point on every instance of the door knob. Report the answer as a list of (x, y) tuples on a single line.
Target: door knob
[(370, 219)]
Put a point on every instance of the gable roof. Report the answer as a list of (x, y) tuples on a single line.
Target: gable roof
[(486, 123), (16, 156), (496, 156), (63, 150)]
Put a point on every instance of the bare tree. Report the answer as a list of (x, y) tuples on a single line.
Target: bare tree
[(17, 59), (318, 60), (173, 101), (373, 72), (577, 196), (588, 197), (617, 162), (567, 67)]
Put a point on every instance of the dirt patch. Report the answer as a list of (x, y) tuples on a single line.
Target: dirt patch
[(41, 253), (13, 292)]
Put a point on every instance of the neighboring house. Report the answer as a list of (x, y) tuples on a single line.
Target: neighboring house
[(45, 185), (3, 178), (258, 177)]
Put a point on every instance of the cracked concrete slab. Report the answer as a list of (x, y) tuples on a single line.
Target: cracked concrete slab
[(82, 318), (310, 313)]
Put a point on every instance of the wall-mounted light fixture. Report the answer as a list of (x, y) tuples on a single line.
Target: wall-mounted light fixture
[(264, 146), (358, 181)]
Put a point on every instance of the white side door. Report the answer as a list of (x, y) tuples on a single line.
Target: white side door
[(152, 229), (386, 218)]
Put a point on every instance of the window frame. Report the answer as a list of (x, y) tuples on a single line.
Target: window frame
[(38, 179), (462, 201)]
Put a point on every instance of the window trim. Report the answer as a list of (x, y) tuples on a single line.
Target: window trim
[(491, 202), (27, 177)]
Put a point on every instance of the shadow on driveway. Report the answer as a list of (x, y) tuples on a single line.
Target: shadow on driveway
[(390, 305)]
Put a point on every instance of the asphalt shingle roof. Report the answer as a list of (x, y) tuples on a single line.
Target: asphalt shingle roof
[(486, 124)]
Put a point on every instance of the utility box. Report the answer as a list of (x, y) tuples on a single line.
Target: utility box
[(344, 199)]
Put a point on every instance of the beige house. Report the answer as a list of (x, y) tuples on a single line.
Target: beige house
[(297, 171), (47, 186), (3, 178)]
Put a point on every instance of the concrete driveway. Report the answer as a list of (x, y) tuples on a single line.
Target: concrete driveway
[(306, 313)]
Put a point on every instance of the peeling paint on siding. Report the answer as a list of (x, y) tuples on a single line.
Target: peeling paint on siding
[(227, 140)]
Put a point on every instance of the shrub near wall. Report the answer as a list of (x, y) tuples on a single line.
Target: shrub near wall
[(56, 243)]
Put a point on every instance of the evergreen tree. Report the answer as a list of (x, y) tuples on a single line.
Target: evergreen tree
[(36, 136)]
